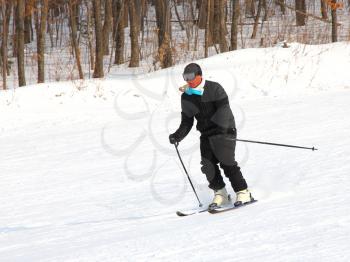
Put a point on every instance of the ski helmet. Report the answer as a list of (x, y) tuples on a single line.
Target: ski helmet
[(191, 71)]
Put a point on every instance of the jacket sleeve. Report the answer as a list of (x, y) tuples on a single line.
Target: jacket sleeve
[(185, 127), (223, 116), (187, 118)]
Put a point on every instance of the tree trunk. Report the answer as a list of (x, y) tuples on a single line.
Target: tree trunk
[(256, 21), (266, 11), (20, 41), (300, 17), (178, 15), (28, 28), (143, 14), (207, 29), (215, 26), (126, 13), (14, 29), (212, 25), (324, 9), (223, 29), (202, 16), (119, 36), (334, 22), (107, 26), (49, 26), (98, 72), (40, 24), (134, 34), (281, 3), (234, 26), (164, 33), (89, 37), (249, 8), (73, 26), (6, 12)]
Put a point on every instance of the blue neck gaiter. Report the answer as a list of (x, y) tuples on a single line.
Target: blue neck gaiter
[(194, 91)]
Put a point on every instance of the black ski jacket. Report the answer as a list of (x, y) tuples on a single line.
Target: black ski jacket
[(211, 110)]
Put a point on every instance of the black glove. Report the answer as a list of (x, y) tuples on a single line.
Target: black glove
[(173, 139)]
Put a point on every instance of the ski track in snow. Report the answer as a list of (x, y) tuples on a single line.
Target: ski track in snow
[(68, 194)]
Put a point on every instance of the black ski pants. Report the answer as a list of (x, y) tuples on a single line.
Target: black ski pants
[(220, 149)]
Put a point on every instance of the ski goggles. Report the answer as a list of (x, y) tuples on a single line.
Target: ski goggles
[(189, 76)]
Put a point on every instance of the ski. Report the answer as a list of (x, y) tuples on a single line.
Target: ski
[(189, 213), (212, 211), (221, 210)]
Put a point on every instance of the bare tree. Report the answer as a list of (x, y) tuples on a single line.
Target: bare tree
[(164, 33), (91, 24), (222, 27), (40, 26), (324, 9), (281, 3), (20, 41), (257, 17), (178, 15), (234, 26), (98, 72), (107, 26), (73, 29), (134, 35), (215, 23), (119, 34), (249, 8), (300, 5), (89, 36), (266, 11), (334, 21), (202, 16), (28, 28), (6, 14), (207, 28)]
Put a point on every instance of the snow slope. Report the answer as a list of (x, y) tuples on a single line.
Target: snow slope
[(89, 175)]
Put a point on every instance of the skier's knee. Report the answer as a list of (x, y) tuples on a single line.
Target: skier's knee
[(230, 167), (207, 167)]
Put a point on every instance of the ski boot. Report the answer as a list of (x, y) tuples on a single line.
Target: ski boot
[(243, 197), (221, 198)]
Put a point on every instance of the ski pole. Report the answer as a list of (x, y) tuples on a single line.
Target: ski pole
[(274, 144), (189, 179)]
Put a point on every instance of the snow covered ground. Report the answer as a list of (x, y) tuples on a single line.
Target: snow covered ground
[(87, 173)]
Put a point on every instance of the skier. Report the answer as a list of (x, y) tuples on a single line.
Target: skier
[(207, 101)]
